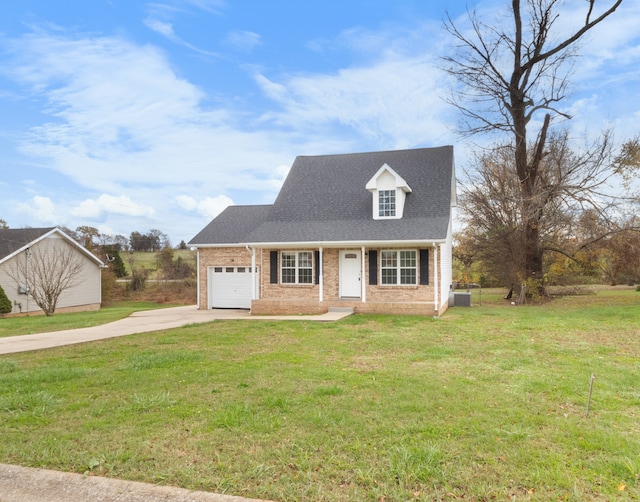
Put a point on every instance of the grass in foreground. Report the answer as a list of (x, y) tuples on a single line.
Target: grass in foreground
[(487, 403), (27, 325)]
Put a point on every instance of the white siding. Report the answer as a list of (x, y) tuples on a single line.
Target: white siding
[(446, 262), (386, 181)]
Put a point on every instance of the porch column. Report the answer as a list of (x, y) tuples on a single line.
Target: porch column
[(363, 285), (436, 280), (253, 273), (320, 273)]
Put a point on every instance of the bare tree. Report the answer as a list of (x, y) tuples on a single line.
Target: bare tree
[(47, 270), (88, 237), (573, 187), (510, 77)]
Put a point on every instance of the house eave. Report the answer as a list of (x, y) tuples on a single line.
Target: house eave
[(326, 244)]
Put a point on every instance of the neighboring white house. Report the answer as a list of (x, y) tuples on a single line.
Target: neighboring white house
[(23, 250)]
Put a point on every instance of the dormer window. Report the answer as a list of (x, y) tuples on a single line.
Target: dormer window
[(386, 203), (389, 192)]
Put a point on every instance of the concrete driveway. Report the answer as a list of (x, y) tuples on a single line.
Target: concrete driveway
[(141, 322), (26, 484)]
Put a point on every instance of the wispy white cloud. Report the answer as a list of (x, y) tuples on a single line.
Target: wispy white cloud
[(242, 40), (395, 102), (42, 209), (209, 207), (163, 28), (174, 7), (211, 6), (166, 30), (162, 17), (105, 203), (121, 115)]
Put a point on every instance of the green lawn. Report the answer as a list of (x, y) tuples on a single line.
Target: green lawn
[(486, 403)]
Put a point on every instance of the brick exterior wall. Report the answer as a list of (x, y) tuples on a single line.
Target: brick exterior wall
[(305, 298)]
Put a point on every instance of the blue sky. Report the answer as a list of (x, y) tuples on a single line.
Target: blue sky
[(135, 115)]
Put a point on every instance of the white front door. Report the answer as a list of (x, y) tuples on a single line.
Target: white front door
[(350, 268)]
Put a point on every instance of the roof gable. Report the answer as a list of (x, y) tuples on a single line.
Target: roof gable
[(386, 171)]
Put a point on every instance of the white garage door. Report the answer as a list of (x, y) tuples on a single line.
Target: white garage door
[(230, 287)]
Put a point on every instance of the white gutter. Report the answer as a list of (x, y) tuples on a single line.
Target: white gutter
[(326, 244)]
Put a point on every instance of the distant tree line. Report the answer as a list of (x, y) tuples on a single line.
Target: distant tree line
[(92, 239)]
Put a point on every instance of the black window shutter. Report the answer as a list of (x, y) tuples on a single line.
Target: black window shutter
[(373, 267), (424, 267), (318, 267), (273, 276)]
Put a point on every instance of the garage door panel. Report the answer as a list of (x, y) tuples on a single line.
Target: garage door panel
[(230, 287)]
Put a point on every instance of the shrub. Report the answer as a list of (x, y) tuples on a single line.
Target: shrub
[(5, 303), (139, 277)]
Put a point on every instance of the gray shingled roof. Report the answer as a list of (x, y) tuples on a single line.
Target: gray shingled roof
[(324, 199), (13, 239), (233, 225)]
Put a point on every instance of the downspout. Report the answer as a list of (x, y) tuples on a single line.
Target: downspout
[(320, 273), (198, 277), (253, 272), (26, 257), (363, 287), (436, 280)]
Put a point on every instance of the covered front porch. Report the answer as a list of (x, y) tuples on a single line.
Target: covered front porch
[(386, 278)]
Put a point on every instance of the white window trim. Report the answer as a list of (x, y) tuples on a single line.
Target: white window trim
[(399, 268), (392, 216), (297, 267)]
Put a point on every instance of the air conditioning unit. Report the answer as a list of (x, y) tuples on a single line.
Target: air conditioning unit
[(462, 299), (23, 289)]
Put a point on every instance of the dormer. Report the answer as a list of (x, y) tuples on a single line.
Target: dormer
[(389, 192)]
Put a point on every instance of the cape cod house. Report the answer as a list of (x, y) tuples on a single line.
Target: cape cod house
[(370, 232)]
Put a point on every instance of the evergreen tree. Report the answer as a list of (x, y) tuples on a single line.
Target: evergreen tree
[(115, 263), (5, 303)]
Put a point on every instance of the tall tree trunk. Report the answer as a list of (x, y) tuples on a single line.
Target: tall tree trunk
[(533, 251), (528, 166)]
